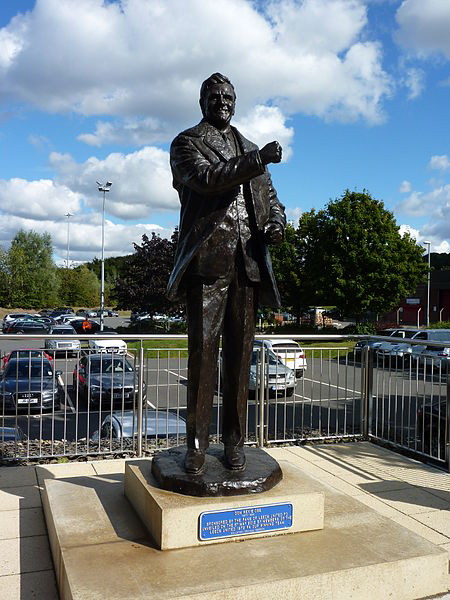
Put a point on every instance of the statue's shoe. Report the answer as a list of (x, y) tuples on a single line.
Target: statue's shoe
[(194, 460), (235, 458)]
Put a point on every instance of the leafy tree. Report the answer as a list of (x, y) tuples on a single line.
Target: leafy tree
[(285, 262), (143, 280), (353, 256), (78, 287), (30, 271)]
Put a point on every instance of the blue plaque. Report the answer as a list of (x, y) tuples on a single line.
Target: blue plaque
[(245, 521)]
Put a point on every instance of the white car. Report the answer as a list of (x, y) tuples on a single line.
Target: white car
[(289, 352), (107, 342), (59, 344)]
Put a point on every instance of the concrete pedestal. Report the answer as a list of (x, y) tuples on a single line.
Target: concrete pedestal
[(173, 519), (101, 549)]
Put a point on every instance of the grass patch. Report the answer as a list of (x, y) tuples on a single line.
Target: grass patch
[(330, 349), (162, 348)]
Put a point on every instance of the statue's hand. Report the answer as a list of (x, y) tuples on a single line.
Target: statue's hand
[(273, 233), (271, 153)]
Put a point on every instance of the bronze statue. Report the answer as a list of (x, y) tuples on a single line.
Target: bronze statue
[(229, 213)]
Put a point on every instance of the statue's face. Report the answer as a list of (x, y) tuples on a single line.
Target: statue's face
[(218, 105)]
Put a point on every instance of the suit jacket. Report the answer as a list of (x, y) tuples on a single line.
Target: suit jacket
[(208, 177)]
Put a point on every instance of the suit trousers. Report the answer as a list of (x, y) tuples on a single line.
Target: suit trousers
[(227, 306)]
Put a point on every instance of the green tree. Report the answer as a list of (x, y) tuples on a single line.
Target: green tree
[(353, 256), (78, 287), (285, 262), (144, 276), (31, 272)]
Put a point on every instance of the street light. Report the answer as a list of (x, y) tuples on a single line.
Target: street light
[(103, 187), (68, 215), (428, 244)]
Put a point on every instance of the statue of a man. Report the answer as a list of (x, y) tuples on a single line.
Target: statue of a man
[(229, 213)]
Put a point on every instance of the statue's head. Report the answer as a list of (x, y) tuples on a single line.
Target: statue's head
[(217, 100)]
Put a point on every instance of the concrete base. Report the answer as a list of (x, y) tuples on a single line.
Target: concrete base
[(172, 519), (102, 550)]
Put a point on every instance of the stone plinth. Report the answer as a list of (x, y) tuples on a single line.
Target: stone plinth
[(173, 519), (101, 549)]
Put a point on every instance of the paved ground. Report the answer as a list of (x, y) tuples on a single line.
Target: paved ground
[(412, 494)]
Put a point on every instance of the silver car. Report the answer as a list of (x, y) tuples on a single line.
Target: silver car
[(156, 423), (62, 344)]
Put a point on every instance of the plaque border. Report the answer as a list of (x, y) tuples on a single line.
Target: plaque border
[(225, 510)]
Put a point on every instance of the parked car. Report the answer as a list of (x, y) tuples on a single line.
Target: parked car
[(77, 324), (86, 312), (108, 341), (104, 378), (59, 344), (436, 357), (123, 425), (25, 353), (279, 379), (27, 327), (12, 434), (431, 424), (30, 383), (402, 352), (288, 351)]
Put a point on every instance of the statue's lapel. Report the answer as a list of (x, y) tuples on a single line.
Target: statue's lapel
[(213, 138)]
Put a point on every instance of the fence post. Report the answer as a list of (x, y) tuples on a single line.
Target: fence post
[(262, 396), (140, 400), (447, 422), (367, 389)]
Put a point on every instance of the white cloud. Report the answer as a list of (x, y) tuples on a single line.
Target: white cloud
[(142, 181), (431, 204), (143, 61), (294, 214), (405, 187), (36, 199), (424, 26), (440, 162), (414, 81), (265, 124), (85, 237)]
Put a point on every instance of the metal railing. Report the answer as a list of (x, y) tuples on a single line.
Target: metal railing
[(91, 403)]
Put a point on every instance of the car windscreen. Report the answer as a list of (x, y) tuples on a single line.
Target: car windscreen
[(24, 369), (271, 358), (108, 365)]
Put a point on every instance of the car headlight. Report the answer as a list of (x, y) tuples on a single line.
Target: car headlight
[(49, 393), (95, 388), (252, 377)]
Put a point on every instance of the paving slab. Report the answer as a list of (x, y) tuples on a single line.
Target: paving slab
[(25, 555), (40, 585), (359, 554), (22, 523), (17, 476), (15, 498)]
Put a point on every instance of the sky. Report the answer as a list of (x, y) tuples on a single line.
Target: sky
[(356, 91)]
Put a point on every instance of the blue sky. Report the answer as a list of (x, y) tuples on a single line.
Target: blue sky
[(356, 91)]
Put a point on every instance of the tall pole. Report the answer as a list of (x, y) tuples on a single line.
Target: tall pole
[(103, 188), (428, 244), (68, 215)]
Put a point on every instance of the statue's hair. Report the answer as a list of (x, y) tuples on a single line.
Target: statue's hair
[(212, 80)]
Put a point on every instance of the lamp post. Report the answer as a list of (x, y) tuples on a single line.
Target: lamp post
[(428, 244), (68, 215), (103, 187)]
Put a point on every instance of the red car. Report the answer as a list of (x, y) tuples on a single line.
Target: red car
[(25, 353)]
